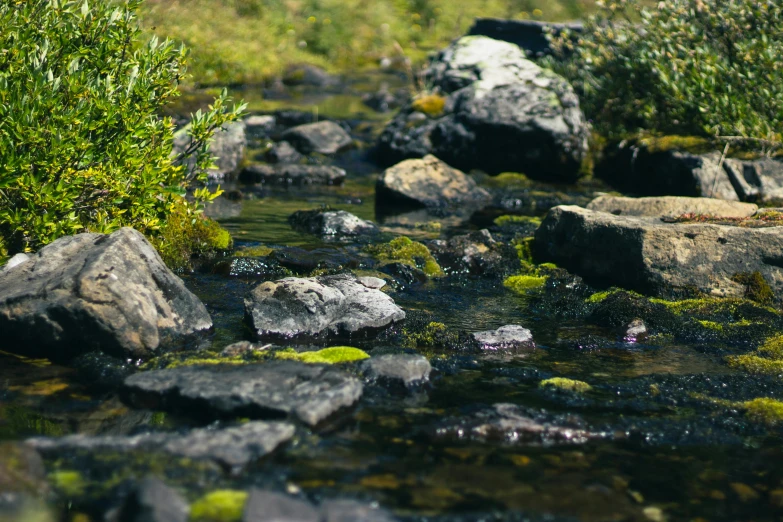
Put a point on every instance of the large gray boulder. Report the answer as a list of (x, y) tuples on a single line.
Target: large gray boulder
[(338, 305), (650, 255), (89, 292), (227, 147), (502, 113), (671, 206), (307, 392)]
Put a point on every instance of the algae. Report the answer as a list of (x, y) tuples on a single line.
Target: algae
[(763, 409), (256, 251), (333, 355), (405, 250), (223, 505), (511, 219), (522, 284), (562, 383)]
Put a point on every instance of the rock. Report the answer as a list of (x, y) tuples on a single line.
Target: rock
[(24, 490), (237, 349), (332, 223), (635, 331), (283, 152), (93, 291), (232, 448), (260, 125), (339, 305), (501, 113), (324, 137), (671, 206), (385, 101), (300, 260), (757, 180), (310, 393), (398, 369), (476, 253), (268, 506), (292, 174), (529, 35), (504, 338), (256, 267), (651, 256), (16, 260), (101, 372), (353, 511), (428, 183), (228, 147), (152, 500), (375, 283), (308, 75)]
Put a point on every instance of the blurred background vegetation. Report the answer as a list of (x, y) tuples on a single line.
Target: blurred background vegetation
[(249, 41)]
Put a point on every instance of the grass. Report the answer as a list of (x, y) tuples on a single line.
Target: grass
[(249, 41)]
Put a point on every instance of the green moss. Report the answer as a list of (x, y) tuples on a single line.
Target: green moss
[(334, 355), (256, 251), (412, 253), (522, 284), (198, 358), (430, 104), (185, 237), (507, 180), (769, 411), (69, 483), (756, 287), (694, 144), (773, 347), (224, 505), (19, 421), (428, 336), (562, 383), (511, 219)]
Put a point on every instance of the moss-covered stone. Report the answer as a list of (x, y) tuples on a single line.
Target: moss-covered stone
[(511, 219), (756, 287), (562, 383), (405, 250), (185, 237), (693, 144), (68, 482), (334, 355), (224, 505), (201, 357), (766, 360), (431, 104), (522, 284), (768, 411)]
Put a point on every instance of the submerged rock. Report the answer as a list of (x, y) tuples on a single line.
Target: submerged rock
[(310, 393), (499, 112), (671, 206), (292, 174), (353, 511), (398, 369), (634, 331), (88, 292), (233, 447), (332, 223), (429, 183), (507, 337), (336, 305), (648, 255), (324, 137), (151, 500)]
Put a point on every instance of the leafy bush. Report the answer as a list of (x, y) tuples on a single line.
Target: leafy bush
[(691, 67), (82, 147)]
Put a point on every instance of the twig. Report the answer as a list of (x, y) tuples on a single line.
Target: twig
[(719, 169)]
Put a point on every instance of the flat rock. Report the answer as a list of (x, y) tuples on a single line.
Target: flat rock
[(283, 152), (339, 305), (292, 174), (97, 292), (405, 369), (310, 393), (324, 137), (651, 256), (671, 206), (151, 500), (507, 337), (232, 448), (332, 223), (428, 183)]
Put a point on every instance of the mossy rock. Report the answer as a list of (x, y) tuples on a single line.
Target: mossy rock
[(562, 383), (406, 251), (333, 355), (224, 505), (255, 251), (431, 104), (201, 357), (768, 411), (756, 287), (185, 238), (766, 360), (21, 470), (514, 219), (523, 284)]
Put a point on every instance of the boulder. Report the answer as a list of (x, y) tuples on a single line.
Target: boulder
[(324, 137), (151, 500), (756, 180), (97, 292), (398, 369), (260, 125), (671, 206), (336, 305), (284, 153), (307, 392), (500, 113), (332, 223), (507, 337), (232, 448), (228, 147), (476, 253), (292, 174), (270, 506), (428, 183), (304, 74), (652, 256), (530, 35)]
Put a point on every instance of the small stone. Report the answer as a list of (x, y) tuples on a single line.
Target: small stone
[(324, 137), (268, 506), (332, 223), (237, 349), (635, 331), (506, 337), (153, 501), (376, 283), (398, 369), (283, 152)]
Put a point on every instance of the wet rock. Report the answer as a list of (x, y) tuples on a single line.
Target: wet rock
[(529, 35), (385, 101), (404, 274), (324, 137), (310, 393), (756, 180), (501, 113), (260, 125), (429, 183), (283, 152), (308, 75), (238, 349), (507, 337), (228, 147), (339, 304), (476, 253), (398, 369), (269, 506), (300, 260), (353, 511), (151, 500), (650, 256), (232, 447), (332, 223), (257, 267), (292, 174), (635, 331), (671, 206), (101, 372), (97, 292)]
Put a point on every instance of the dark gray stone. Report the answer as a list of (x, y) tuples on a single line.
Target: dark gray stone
[(339, 305), (332, 223), (97, 292), (260, 125), (293, 174), (652, 256), (283, 152), (152, 500), (310, 393), (269, 506), (405, 369), (529, 35), (507, 337), (324, 137), (232, 448), (476, 253), (502, 113)]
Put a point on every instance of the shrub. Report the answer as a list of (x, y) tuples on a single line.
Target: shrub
[(82, 147), (692, 67)]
